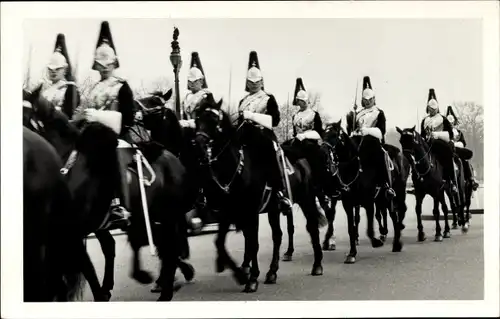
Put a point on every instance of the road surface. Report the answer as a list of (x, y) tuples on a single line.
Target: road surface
[(450, 270)]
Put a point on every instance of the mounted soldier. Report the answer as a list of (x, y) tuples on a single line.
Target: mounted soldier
[(261, 109), (308, 130), (438, 129), (464, 153), (198, 90), (60, 88), (112, 103), (370, 120)]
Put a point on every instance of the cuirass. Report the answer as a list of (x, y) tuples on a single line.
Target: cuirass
[(304, 121), (54, 92), (256, 103), (367, 117), (104, 95), (192, 101), (434, 124)]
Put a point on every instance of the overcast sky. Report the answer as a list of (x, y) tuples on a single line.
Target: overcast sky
[(404, 58)]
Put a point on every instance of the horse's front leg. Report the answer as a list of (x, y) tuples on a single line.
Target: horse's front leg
[(223, 257), (444, 208), (140, 275), (273, 216), (381, 216), (290, 229), (90, 274), (438, 236), (419, 199), (252, 236), (329, 241), (370, 212), (356, 221), (352, 230), (397, 243), (108, 246), (312, 226)]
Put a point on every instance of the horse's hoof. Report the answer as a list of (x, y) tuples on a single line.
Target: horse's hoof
[(157, 288), (142, 277), (454, 226), (164, 297), (383, 238), (317, 270), (329, 246), (438, 238), (446, 234), (421, 237), (188, 272), (287, 257), (350, 259), (105, 296), (271, 278), (251, 286), (397, 246), (219, 266), (240, 276), (376, 243), (465, 229)]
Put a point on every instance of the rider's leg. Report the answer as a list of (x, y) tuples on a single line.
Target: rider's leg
[(277, 172), (120, 206), (444, 154), (386, 172)]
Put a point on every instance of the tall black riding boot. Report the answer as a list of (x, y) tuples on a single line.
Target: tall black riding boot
[(120, 215)]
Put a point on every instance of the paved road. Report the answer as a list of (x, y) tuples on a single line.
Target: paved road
[(453, 269)]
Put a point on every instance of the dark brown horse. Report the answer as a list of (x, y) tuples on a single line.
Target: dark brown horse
[(236, 184), (52, 248), (90, 177)]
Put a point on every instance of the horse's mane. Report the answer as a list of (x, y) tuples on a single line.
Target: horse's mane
[(98, 143)]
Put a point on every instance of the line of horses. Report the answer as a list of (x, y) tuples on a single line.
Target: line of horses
[(61, 210)]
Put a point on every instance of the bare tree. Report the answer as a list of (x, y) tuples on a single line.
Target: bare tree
[(471, 123)]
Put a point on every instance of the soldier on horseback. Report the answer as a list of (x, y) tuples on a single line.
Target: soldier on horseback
[(371, 121), (59, 89), (112, 103), (437, 127), (262, 109), (198, 90), (459, 142), (308, 130)]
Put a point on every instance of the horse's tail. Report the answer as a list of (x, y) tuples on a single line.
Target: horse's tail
[(307, 196), (67, 243)]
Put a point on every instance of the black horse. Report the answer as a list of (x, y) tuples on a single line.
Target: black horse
[(90, 179), (235, 184), (428, 179), (52, 249), (356, 173)]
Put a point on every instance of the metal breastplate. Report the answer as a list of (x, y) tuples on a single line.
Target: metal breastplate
[(434, 124), (456, 135), (367, 117), (256, 103), (192, 101), (304, 121), (54, 93), (104, 95)]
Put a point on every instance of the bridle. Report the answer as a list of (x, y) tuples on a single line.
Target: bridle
[(417, 141), (210, 159)]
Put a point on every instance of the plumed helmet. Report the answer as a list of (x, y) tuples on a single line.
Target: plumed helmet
[(254, 74), (196, 71), (105, 52)]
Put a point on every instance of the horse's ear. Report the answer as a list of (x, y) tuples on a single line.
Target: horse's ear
[(219, 104), (339, 123), (167, 95), (413, 128), (400, 131)]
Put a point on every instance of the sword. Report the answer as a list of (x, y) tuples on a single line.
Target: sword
[(355, 107), (28, 71), (147, 220)]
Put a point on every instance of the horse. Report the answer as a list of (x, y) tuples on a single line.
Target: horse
[(356, 175), (91, 180), (165, 131), (428, 179), (52, 250), (236, 185)]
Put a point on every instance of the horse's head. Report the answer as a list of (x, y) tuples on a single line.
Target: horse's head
[(153, 108), (212, 125), (333, 134), (410, 140)]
